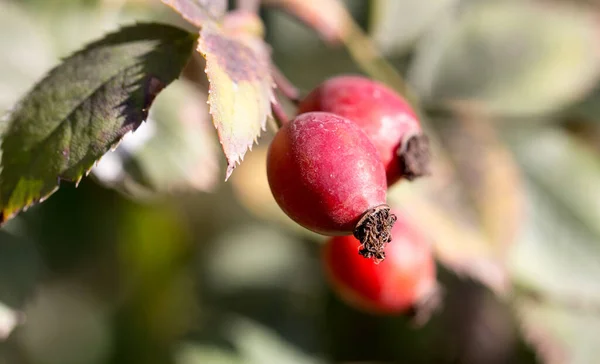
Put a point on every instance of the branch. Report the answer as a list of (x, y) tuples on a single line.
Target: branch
[(279, 114), (285, 86)]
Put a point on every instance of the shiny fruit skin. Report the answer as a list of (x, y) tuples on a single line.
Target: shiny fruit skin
[(324, 172), (396, 285), (384, 115)]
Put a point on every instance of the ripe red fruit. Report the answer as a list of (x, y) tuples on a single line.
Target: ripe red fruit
[(327, 176), (385, 116), (405, 281)]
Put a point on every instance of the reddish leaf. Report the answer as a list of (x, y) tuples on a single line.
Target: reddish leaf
[(199, 12), (241, 89)]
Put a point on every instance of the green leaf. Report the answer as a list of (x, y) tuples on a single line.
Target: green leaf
[(241, 89), (199, 12), (510, 57), (83, 108), (559, 251)]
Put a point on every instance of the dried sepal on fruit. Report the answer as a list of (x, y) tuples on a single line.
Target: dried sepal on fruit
[(327, 176)]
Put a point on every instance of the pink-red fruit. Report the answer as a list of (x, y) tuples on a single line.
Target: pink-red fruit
[(404, 283), (327, 176), (385, 116)]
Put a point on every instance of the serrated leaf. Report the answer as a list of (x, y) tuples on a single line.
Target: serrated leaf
[(559, 252), (241, 89), (174, 151), (83, 108), (199, 12), (510, 57)]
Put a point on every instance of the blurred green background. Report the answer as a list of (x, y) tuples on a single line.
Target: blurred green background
[(154, 259)]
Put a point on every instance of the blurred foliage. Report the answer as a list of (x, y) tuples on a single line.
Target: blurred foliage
[(508, 91), (509, 57)]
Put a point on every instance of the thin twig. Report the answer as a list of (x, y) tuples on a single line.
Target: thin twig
[(279, 114), (285, 86)]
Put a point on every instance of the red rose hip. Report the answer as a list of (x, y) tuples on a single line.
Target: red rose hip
[(405, 282), (385, 116), (327, 176)]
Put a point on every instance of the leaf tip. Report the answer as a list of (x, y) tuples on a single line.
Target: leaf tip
[(230, 168)]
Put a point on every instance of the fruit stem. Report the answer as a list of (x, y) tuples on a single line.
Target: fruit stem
[(373, 230), (414, 156), (279, 114), (285, 86)]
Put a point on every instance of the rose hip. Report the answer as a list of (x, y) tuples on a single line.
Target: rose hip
[(388, 120), (327, 176), (404, 282)]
